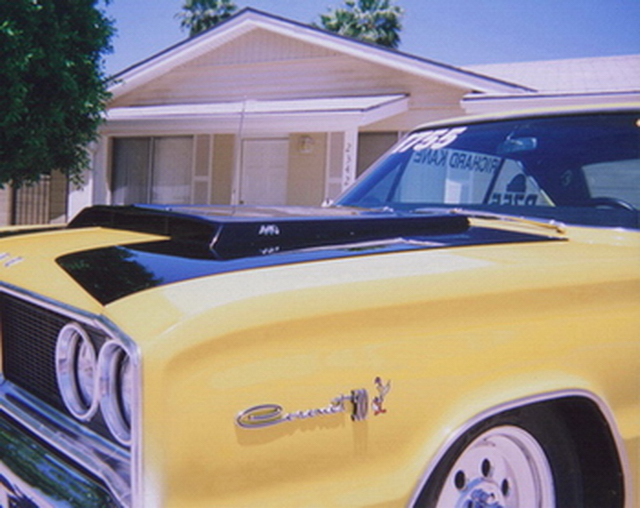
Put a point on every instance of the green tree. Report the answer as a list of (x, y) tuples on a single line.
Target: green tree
[(374, 21), (53, 86), (200, 15)]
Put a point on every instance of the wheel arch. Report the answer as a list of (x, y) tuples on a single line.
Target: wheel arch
[(590, 425)]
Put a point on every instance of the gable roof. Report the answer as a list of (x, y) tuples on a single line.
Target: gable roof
[(580, 75), (249, 19), (578, 82)]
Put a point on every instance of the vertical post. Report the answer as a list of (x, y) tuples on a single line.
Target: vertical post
[(13, 206), (349, 158), (341, 165), (236, 188)]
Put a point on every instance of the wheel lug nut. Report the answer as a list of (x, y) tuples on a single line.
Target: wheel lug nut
[(486, 468)]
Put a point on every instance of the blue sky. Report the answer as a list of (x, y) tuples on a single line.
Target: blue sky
[(455, 32)]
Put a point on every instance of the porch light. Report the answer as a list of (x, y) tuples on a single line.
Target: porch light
[(305, 144)]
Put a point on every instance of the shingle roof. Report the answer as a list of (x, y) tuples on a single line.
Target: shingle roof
[(582, 75)]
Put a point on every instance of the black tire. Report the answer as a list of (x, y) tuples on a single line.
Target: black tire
[(537, 422)]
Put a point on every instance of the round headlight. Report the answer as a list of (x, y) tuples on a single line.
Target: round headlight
[(76, 371), (116, 381)]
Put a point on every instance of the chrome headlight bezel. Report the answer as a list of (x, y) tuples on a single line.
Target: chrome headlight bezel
[(116, 368), (89, 380), (77, 371)]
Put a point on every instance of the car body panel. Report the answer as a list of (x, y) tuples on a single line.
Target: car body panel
[(528, 323), (452, 357)]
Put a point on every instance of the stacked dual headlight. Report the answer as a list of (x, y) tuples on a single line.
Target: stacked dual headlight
[(90, 380)]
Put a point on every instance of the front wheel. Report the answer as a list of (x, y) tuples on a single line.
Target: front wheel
[(502, 468), (519, 459)]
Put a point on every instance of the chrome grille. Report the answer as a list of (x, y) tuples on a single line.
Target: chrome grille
[(29, 335)]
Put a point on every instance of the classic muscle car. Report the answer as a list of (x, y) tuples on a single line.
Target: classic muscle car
[(459, 329)]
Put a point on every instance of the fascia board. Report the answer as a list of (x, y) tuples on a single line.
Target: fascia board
[(321, 122), (272, 107), (256, 116), (384, 111)]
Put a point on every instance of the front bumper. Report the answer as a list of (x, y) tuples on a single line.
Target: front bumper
[(33, 475), (49, 460)]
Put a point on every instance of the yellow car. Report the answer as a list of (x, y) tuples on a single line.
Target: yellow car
[(460, 329)]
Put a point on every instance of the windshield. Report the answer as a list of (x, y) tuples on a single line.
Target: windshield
[(583, 169)]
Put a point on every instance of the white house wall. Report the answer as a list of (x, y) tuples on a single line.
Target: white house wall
[(308, 155)]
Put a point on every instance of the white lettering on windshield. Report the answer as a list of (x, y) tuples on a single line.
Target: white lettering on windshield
[(434, 140), (474, 162), (455, 159), (431, 157)]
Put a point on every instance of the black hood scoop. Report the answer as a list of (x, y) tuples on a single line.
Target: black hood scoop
[(238, 232), (205, 241)]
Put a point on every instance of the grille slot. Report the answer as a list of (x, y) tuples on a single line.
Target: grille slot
[(29, 346), (29, 335)]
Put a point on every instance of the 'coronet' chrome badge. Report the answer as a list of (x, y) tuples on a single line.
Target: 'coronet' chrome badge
[(357, 403)]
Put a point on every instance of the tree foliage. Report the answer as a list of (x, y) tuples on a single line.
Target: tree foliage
[(200, 15), (53, 87), (373, 21)]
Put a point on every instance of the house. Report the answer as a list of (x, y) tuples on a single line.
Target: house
[(265, 110)]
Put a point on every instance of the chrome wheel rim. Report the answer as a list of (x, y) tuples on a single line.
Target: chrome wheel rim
[(505, 467)]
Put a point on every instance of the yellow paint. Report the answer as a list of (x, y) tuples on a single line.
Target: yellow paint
[(457, 331)]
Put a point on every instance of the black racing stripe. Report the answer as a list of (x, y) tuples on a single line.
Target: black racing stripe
[(111, 273)]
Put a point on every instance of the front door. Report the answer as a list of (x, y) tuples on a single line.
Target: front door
[(264, 171)]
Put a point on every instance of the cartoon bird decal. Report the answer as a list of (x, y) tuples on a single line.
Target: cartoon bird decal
[(377, 402)]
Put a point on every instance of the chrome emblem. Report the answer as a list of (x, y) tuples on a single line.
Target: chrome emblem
[(269, 230), (356, 403), (7, 260)]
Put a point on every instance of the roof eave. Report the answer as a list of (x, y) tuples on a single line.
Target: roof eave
[(346, 112)]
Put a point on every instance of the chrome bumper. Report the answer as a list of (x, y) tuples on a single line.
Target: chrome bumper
[(32, 475), (46, 462)]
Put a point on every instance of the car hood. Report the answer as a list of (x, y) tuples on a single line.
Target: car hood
[(136, 248)]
